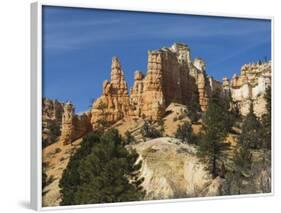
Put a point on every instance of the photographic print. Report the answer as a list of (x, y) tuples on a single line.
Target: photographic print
[(140, 106)]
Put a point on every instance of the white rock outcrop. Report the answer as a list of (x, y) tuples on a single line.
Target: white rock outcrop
[(250, 87), (172, 170)]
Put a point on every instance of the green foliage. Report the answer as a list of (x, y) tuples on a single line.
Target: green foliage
[(99, 172), (184, 132), (266, 121), (242, 161), (129, 138), (149, 131), (102, 123), (44, 179), (217, 124), (55, 130), (251, 135), (45, 143), (161, 123), (193, 115), (268, 99), (70, 180), (194, 108), (57, 150)]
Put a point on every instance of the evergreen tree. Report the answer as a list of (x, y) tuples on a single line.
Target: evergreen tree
[(184, 132), (161, 123), (242, 160), (149, 131), (266, 121), (103, 123), (129, 138), (242, 165), (107, 172), (194, 108), (251, 135), (217, 123), (71, 180)]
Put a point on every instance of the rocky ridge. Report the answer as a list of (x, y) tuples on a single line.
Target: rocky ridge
[(74, 126), (52, 111), (250, 87), (172, 170)]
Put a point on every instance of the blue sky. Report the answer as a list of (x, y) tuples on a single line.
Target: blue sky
[(78, 45)]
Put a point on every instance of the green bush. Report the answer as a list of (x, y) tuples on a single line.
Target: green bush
[(57, 150), (193, 111), (184, 132), (129, 138), (148, 131)]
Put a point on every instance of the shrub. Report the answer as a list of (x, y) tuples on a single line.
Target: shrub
[(149, 131), (129, 138), (184, 132), (161, 123), (57, 150)]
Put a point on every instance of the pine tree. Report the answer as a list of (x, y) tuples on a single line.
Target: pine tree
[(217, 123), (148, 131), (71, 180), (184, 132), (194, 108), (129, 138), (161, 123), (107, 172), (103, 123), (242, 166), (266, 121), (242, 160), (251, 135)]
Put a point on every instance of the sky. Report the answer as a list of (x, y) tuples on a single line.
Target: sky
[(78, 45)]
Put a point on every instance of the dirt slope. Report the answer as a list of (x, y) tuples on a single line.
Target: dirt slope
[(55, 160)]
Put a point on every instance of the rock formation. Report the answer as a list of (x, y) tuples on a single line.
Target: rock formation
[(67, 130), (73, 126), (51, 120), (199, 73), (173, 170), (250, 87), (113, 105), (171, 77), (167, 80)]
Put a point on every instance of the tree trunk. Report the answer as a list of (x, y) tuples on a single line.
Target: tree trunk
[(214, 167)]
